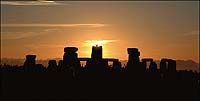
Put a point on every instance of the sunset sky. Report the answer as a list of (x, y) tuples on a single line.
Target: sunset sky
[(158, 29)]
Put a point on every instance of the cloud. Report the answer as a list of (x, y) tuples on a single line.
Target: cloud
[(45, 46), (52, 25), (192, 33), (18, 35), (32, 3), (21, 35), (49, 28)]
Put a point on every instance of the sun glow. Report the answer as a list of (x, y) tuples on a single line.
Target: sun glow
[(87, 46), (97, 42), (94, 43)]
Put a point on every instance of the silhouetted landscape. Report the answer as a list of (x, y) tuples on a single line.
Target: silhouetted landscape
[(98, 80), (56, 50)]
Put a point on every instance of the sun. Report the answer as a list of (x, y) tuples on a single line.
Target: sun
[(88, 44), (94, 43), (97, 43)]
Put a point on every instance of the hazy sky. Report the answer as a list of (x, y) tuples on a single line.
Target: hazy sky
[(158, 29)]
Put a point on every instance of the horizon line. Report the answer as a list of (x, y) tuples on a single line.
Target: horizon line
[(105, 58)]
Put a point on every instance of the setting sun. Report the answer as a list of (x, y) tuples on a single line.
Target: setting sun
[(96, 42), (85, 51)]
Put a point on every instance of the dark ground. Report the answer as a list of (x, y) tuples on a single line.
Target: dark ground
[(57, 87)]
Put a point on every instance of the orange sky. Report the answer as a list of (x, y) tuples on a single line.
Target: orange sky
[(158, 29)]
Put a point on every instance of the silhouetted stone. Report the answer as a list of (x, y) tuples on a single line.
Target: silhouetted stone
[(117, 65), (144, 62), (133, 64), (172, 66), (29, 63), (134, 55), (52, 66), (71, 61), (153, 67), (96, 52), (167, 65), (40, 68), (163, 66), (70, 49), (60, 65)]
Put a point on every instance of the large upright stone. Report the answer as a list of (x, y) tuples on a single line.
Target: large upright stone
[(134, 55), (70, 56), (70, 60), (96, 52), (144, 62), (52, 66), (167, 65), (29, 63)]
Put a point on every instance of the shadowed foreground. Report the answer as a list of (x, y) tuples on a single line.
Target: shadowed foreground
[(26, 86)]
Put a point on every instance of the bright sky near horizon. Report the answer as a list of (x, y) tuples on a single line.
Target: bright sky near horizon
[(158, 28)]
